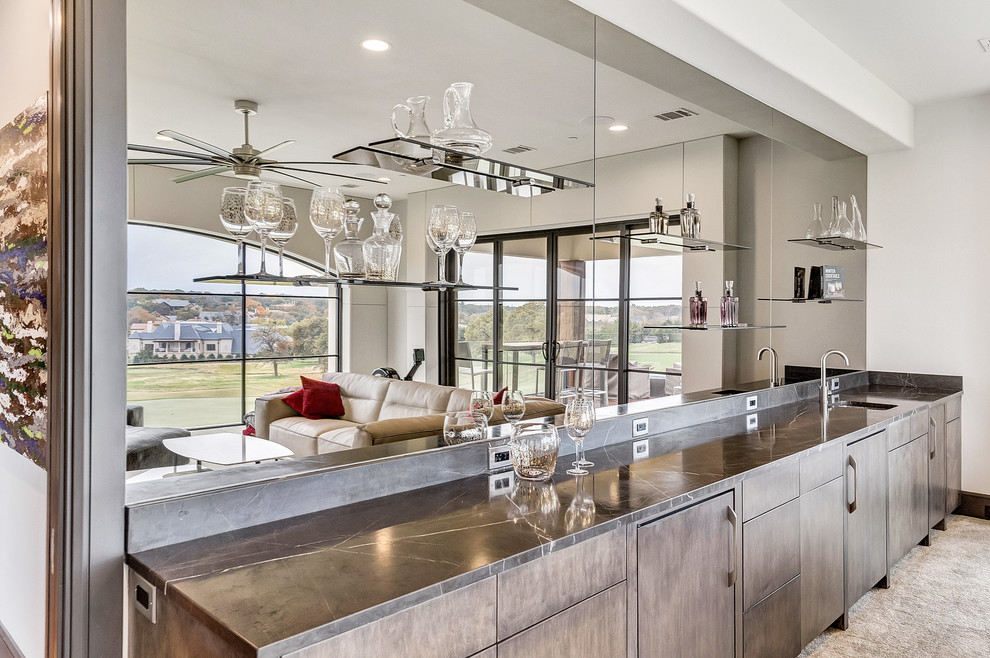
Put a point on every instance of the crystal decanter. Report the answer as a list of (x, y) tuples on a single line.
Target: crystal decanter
[(349, 252), (381, 250)]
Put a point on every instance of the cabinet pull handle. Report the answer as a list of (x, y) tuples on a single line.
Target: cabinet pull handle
[(733, 519), (932, 438), (855, 469)]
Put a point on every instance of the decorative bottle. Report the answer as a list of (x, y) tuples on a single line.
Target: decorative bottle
[(659, 220), (699, 307), (859, 229), (844, 227), (690, 220), (381, 251), (349, 252), (816, 229), (729, 307), (832, 230)]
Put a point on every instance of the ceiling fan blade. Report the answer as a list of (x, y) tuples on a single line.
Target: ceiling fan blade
[(201, 173), (282, 173), (192, 141), (326, 173), (152, 161), (276, 147), (164, 151), (329, 164)]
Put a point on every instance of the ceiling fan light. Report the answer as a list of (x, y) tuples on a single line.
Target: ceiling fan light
[(164, 138), (375, 45)]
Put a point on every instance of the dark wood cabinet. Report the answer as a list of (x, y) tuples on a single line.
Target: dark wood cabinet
[(822, 516), (866, 515), (908, 497), (686, 573), (953, 453), (936, 467)]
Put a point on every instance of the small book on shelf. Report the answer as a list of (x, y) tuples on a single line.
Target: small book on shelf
[(833, 286)]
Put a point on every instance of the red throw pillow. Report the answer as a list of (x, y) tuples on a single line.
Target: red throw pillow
[(321, 399), (497, 398), (296, 403)]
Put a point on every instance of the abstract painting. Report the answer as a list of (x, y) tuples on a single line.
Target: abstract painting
[(24, 283)]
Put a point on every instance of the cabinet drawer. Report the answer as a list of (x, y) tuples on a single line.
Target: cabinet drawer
[(595, 627), (773, 628), (821, 466), (771, 551), (417, 633), (900, 432), (774, 486), (953, 408), (536, 590), (919, 424)]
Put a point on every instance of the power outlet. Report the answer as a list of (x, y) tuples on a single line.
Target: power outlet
[(641, 426), (641, 449), (499, 484), (499, 458), (751, 403), (145, 596), (752, 422), (834, 384)]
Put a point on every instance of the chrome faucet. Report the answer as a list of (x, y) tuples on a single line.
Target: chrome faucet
[(773, 364), (823, 391)]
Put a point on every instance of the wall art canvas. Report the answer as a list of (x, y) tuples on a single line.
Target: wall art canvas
[(24, 283)]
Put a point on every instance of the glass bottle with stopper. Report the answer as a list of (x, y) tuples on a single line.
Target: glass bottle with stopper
[(730, 307), (382, 251), (659, 220), (349, 252), (699, 307), (690, 220)]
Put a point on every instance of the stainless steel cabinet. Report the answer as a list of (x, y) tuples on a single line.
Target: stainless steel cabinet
[(908, 497), (686, 572), (822, 516), (936, 467), (866, 515)]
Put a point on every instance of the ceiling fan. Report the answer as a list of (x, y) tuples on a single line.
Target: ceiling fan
[(245, 160)]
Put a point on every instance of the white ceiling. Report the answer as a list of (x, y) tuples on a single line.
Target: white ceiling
[(925, 50), (301, 61)]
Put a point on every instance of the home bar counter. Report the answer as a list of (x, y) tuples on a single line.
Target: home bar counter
[(466, 568)]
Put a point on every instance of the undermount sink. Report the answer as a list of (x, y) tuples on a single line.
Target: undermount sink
[(727, 391), (879, 406)]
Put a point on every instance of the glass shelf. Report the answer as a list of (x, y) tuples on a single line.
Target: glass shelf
[(800, 300), (439, 163), (836, 243), (667, 242), (274, 280), (716, 327)]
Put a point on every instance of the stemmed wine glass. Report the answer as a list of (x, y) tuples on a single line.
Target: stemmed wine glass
[(233, 219), (579, 418), (513, 406), (466, 236), (481, 403), (326, 214), (445, 222), (263, 209), (282, 233), (580, 513)]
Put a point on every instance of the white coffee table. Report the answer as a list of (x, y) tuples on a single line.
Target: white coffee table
[(226, 449)]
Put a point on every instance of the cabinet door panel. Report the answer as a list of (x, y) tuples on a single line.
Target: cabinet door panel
[(936, 466), (908, 514), (686, 601), (866, 516), (822, 514), (953, 464), (772, 628), (771, 551)]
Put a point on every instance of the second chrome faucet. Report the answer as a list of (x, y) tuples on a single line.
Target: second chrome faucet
[(774, 381), (823, 392)]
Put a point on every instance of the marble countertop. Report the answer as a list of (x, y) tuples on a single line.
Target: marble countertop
[(277, 587)]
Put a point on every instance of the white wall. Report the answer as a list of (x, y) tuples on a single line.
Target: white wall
[(926, 313), (24, 41)]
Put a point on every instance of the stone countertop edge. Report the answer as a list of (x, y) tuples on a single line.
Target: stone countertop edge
[(906, 407)]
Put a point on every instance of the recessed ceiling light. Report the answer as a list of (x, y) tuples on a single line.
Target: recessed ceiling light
[(618, 127), (597, 120), (164, 138), (375, 45), (384, 179)]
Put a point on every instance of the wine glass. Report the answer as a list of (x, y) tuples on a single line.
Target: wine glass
[(445, 222), (466, 236), (326, 214), (513, 406), (233, 219), (463, 427), (263, 209), (579, 418), (282, 233), (481, 402)]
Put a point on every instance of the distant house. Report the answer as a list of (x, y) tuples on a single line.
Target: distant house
[(191, 338), (174, 304)]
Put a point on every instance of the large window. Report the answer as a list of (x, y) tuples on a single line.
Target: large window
[(577, 319), (198, 354)]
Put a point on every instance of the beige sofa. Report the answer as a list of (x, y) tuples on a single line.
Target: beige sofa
[(376, 410)]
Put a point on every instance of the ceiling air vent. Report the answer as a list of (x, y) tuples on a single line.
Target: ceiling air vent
[(676, 114), (516, 150)]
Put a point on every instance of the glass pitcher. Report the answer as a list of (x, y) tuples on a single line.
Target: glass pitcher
[(459, 131), (415, 110)]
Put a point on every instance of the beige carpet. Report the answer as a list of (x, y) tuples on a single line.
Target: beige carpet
[(938, 604)]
